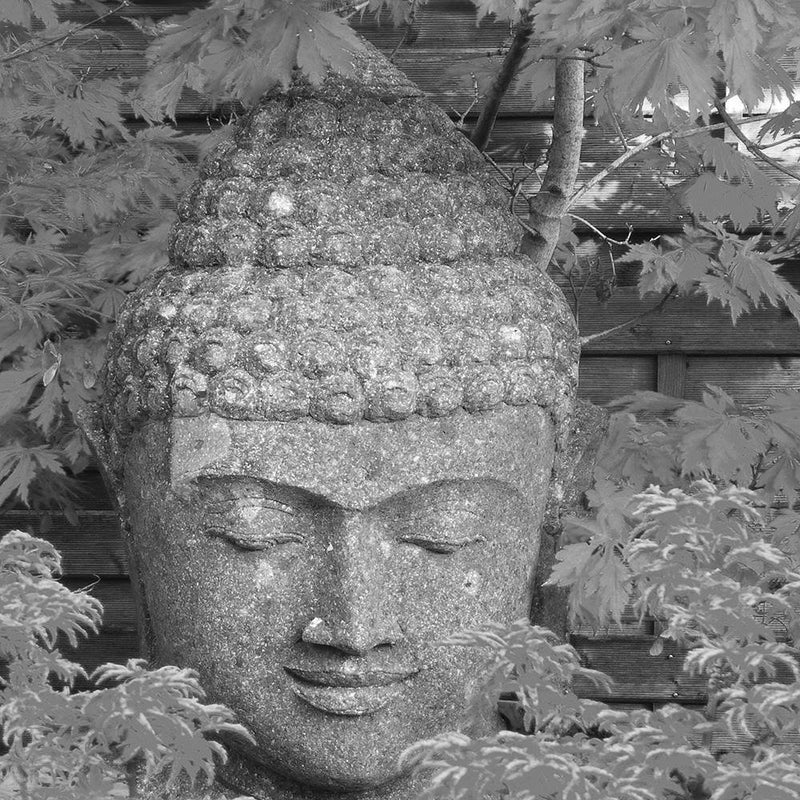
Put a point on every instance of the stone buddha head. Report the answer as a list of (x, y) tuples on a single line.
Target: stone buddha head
[(331, 422)]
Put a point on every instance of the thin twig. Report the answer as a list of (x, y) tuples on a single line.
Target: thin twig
[(410, 20), (750, 144), (618, 128), (627, 156), (576, 297), (792, 138), (59, 39), (461, 124), (600, 233), (584, 340)]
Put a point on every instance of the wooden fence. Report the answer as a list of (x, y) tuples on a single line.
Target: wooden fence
[(677, 350)]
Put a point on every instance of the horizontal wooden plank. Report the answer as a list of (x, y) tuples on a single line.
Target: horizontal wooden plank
[(687, 325), (749, 380), (115, 648), (116, 595), (637, 675), (603, 378), (514, 716), (93, 548)]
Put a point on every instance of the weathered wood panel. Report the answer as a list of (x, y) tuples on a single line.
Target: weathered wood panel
[(515, 718), (749, 380), (603, 379), (637, 675), (114, 647), (116, 595), (92, 548), (686, 325)]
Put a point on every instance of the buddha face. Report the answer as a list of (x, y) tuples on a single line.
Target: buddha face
[(308, 572)]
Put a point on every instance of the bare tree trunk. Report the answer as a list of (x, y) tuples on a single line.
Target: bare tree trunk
[(548, 206), (502, 81)]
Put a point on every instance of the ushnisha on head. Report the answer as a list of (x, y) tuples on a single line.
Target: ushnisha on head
[(377, 299), (344, 256)]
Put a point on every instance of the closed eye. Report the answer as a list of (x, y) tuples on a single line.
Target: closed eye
[(255, 523), (438, 544), (443, 529)]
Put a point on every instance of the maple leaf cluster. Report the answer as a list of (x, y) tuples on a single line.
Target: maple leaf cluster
[(84, 213), (63, 745), (721, 578)]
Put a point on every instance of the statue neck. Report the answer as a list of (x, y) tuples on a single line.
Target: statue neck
[(245, 777)]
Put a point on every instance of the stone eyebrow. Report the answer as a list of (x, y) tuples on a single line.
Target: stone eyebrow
[(228, 474), (317, 495)]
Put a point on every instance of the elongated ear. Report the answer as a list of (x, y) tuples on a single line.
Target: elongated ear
[(90, 421), (573, 476)]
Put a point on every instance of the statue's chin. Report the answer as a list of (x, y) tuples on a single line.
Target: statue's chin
[(253, 769)]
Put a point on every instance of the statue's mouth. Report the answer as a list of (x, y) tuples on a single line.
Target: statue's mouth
[(348, 692)]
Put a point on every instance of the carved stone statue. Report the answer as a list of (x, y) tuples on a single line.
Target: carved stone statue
[(331, 423)]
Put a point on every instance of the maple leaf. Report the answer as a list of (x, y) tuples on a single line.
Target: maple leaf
[(240, 51), (755, 273), (501, 10), (638, 451), (17, 385), (46, 410), (780, 472), (668, 55), (781, 475), (719, 439), (728, 161), (711, 198), (400, 10), (659, 271), (20, 466), (23, 12), (739, 28), (88, 109), (784, 123)]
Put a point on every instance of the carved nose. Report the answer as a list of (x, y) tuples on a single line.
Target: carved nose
[(355, 609)]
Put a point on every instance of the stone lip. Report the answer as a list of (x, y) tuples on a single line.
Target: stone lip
[(348, 692), (350, 678)]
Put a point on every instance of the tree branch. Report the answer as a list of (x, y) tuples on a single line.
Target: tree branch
[(602, 235), (750, 144), (584, 340), (548, 206), (519, 45), (26, 51), (634, 151)]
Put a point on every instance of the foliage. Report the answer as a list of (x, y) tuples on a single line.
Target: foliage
[(90, 165), (701, 560), (84, 213), (64, 745)]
